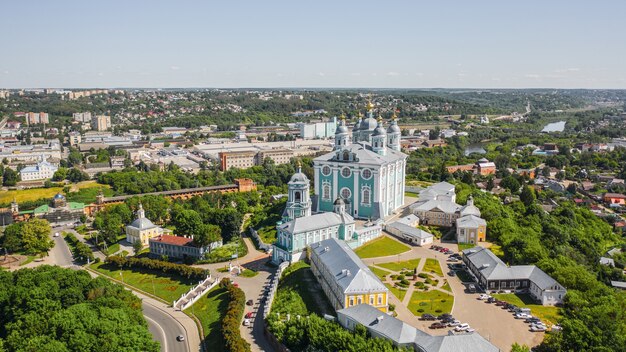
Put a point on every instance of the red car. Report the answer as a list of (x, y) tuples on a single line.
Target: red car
[(249, 315)]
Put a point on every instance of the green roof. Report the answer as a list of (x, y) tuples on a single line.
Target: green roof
[(41, 209), (74, 206)]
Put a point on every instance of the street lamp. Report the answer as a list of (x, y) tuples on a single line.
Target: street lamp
[(122, 276)]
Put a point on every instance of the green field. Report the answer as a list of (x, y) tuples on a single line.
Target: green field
[(379, 272), (547, 314), (432, 266), (396, 291), (381, 247), (210, 310), (166, 287), (432, 302), (249, 273), (446, 287), (33, 194), (399, 266), (297, 294), (464, 246)]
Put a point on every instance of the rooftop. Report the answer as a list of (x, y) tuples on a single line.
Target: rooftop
[(173, 240)]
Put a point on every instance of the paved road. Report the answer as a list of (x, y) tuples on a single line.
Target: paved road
[(164, 329)]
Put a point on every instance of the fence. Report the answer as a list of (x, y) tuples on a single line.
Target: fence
[(189, 298), (271, 290), (259, 242)]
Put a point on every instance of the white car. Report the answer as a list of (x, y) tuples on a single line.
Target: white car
[(522, 316), (470, 330), (246, 322), (454, 323), (56, 234), (538, 328), (462, 327), (483, 296)]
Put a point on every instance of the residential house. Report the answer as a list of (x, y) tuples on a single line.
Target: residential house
[(179, 247), (614, 198), (405, 228), (142, 229)]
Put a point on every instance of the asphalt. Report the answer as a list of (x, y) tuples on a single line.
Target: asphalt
[(164, 329)]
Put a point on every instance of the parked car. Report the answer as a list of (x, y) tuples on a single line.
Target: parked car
[(521, 316), (249, 315), (246, 322), (56, 234), (500, 303), (511, 307), (427, 317), (483, 296), (462, 327), (491, 300), (454, 323), (537, 328), (444, 316), (437, 325), (451, 273), (532, 320), (250, 302), (451, 259), (471, 288), (556, 327), (470, 330)]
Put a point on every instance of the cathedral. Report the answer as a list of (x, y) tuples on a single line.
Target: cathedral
[(366, 171), (362, 178)]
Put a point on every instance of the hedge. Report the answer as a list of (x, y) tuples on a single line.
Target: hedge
[(230, 324), (152, 264)]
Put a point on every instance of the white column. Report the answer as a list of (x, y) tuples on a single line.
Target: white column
[(316, 180), (377, 186), (335, 184), (355, 174)]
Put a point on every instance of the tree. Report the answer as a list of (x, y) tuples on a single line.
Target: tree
[(490, 183), (60, 174), (519, 348), (137, 247), (528, 196), (207, 234), (76, 175), (571, 188), (510, 183), (36, 236), (187, 221), (10, 177), (75, 157)]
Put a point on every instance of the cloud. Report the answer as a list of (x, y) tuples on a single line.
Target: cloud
[(355, 74), (419, 74), (392, 73), (571, 69), (174, 68), (532, 75), (321, 74), (100, 74)]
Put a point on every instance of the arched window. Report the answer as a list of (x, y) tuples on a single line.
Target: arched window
[(366, 195), (346, 155), (326, 191)]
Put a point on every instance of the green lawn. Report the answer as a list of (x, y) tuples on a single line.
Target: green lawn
[(249, 273), (210, 310), (381, 247), (112, 249), (547, 314), (446, 287), (411, 194), (432, 266), (464, 246), (379, 272), (297, 293), (225, 252), (399, 266), (432, 302), (396, 291), (268, 234), (29, 259), (167, 287)]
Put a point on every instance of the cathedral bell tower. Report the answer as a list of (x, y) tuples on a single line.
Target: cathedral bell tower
[(298, 199), (379, 138), (394, 134), (342, 137)]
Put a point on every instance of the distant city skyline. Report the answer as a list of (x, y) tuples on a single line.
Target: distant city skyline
[(322, 44)]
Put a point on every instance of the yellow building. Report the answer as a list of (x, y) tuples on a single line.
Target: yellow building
[(142, 229), (344, 278)]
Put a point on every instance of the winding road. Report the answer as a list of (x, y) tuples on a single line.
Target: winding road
[(164, 329)]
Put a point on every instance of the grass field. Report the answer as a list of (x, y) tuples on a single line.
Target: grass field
[(29, 259), (446, 287), (112, 249), (381, 247), (464, 246), (411, 194), (432, 265), (297, 293), (210, 310), (33, 194), (379, 272), (547, 314), (225, 252), (249, 273), (398, 266), (432, 302), (166, 287), (396, 291)]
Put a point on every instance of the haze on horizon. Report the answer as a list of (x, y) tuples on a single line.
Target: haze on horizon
[(330, 44)]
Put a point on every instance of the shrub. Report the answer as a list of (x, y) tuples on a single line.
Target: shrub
[(437, 310), (423, 275), (230, 324), (158, 265), (400, 277), (404, 282), (392, 307), (420, 310)]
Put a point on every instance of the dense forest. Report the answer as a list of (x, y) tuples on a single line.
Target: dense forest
[(51, 309)]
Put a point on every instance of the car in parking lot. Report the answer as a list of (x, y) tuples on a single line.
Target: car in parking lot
[(454, 323), (438, 325), (250, 302), (491, 300), (246, 322), (451, 273), (501, 303), (249, 315), (521, 316), (462, 327), (471, 288), (538, 328), (470, 330), (444, 316), (483, 296), (427, 317)]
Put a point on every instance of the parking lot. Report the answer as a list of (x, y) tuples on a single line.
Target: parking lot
[(495, 324)]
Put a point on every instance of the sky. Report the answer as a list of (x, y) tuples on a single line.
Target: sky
[(317, 44)]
